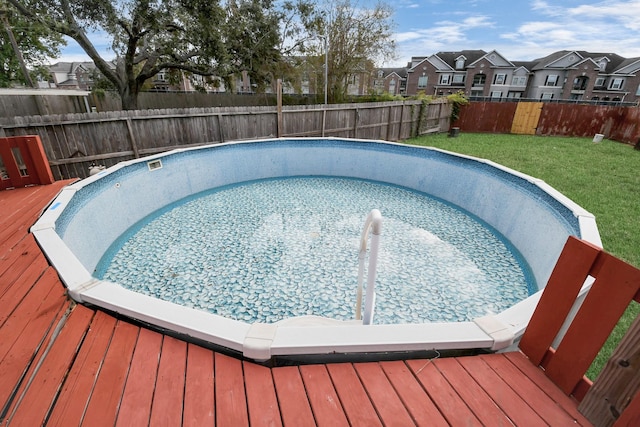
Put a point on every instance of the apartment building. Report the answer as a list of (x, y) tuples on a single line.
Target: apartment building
[(566, 75)]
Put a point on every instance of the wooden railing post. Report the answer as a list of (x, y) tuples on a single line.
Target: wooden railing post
[(618, 382)]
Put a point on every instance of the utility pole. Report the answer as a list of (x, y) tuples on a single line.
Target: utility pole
[(16, 48)]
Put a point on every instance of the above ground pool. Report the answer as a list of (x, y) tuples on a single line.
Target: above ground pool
[(255, 246)]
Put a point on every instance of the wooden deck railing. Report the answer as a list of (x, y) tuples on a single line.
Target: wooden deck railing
[(23, 162), (614, 397)]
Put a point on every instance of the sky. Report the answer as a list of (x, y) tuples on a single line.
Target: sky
[(519, 30)]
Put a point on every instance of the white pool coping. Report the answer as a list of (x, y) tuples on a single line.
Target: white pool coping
[(299, 336)]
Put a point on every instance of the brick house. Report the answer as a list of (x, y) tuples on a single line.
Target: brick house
[(70, 75), (567, 75), (389, 80), (580, 75)]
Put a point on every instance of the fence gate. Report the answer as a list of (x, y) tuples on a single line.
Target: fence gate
[(23, 162), (525, 121)]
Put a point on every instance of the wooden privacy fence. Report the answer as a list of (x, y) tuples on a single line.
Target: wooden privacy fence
[(536, 118), (73, 141)]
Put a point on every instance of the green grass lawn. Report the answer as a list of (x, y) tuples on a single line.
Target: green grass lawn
[(603, 178)]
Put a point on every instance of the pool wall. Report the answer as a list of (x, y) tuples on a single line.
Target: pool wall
[(89, 216)]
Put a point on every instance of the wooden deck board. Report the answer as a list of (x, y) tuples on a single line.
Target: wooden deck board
[(262, 400), (39, 396), (169, 393), (137, 397), (357, 406), (470, 391), (231, 404), (22, 335), (323, 398), (537, 376), (381, 393), (103, 405), (14, 295), (448, 401), (199, 397), (72, 402), (528, 390), (100, 370), (422, 409), (513, 405), (294, 404)]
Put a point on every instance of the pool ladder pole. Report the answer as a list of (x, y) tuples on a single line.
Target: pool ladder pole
[(373, 222)]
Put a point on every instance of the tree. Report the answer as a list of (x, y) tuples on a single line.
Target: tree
[(358, 37), (24, 44), (148, 36)]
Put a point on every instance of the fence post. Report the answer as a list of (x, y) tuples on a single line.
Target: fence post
[(356, 122), (134, 143), (279, 109), (389, 123), (401, 120)]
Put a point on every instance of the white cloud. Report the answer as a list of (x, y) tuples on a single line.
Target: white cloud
[(605, 26)]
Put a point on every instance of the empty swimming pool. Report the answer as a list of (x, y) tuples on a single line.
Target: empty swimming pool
[(93, 218)]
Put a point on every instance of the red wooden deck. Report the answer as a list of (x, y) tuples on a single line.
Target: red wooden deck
[(63, 364)]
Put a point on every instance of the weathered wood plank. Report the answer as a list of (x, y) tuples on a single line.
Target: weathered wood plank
[(231, 403), (618, 382), (137, 397), (616, 283), (516, 408), (70, 405), (168, 398), (199, 397), (294, 405), (563, 286), (261, 396), (353, 396), (23, 345), (422, 409), (322, 396), (537, 376), (384, 398), (34, 405), (104, 402), (448, 401), (472, 393), (528, 390), (13, 297)]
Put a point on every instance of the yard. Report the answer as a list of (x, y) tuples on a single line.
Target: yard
[(603, 178)]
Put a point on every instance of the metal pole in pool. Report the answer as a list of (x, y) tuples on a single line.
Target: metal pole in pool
[(373, 222)]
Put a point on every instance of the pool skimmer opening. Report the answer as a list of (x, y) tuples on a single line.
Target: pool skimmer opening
[(154, 164)]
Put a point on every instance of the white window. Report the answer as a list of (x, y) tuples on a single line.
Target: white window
[(547, 95), (599, 82), (392, 87), (499, 79), (422, 81), (460, 64), (496, 94), (514, 95), (445, 79), (519, 81), (551, 80), (638, 91), (458, 78), (616, 84)]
